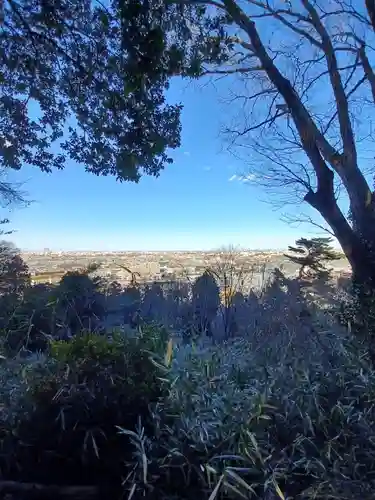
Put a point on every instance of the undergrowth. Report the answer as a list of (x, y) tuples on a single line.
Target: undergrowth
[(285, 413)]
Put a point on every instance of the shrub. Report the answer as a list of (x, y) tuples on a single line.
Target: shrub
[(88, 387), (14, 272), (30, 321), (287, 410), (205, 302), (80, 305)]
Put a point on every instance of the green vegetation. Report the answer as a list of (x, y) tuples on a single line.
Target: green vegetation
[(284, 409), (87, 389), (209, 391), (135, 414), (313, 255)]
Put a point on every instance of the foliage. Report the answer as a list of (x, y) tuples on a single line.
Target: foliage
[(283, 425), (73, 64), (4, 232), (313, 255), (29, 321), (80, 305), (205, 302), (14, 273), (110, 67), (286, 409), (89, 386), (46, 311), (132, 295)]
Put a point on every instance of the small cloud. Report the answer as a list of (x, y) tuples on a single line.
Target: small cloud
[(249, 178), (243, 178), (187, 153), (207, 168)]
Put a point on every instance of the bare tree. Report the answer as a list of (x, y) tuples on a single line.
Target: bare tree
[(306, 91), (232, 272), (235, 276)]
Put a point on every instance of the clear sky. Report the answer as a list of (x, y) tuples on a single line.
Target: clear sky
[(195, 204)]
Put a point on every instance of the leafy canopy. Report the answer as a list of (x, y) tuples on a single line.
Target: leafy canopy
[(85, 81)]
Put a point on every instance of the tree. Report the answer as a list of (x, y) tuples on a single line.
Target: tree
[(69, 81), (14, 272), (79, 303), (312, 255), (205, 302), (281, 59), (11, 193), (234, 276)]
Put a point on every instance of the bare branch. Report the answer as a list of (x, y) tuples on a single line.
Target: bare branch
[(294, 220), (231, 71), (277, 14), (369, 72), (337, 85), (267, 121)]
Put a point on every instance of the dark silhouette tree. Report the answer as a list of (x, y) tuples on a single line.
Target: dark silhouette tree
[(312, 255), (132, 299), (153, 303), (205, 302), (14, 272), (80, 305)]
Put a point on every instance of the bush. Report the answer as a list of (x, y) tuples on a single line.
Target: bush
[(88, 387), (80, 305), (289, 427), (43, 312), (30, 322)]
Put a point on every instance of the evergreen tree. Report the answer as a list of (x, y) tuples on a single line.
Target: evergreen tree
[(312, 255), (205, 301), (97, 66)]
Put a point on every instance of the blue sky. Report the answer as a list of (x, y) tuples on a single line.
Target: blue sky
[(195, 204)]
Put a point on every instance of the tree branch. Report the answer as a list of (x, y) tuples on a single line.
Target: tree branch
[(231, 71), (370, 6), (307, 129), (197, 2), (277, 15), (342, 105), (369, 72), (267, 121)]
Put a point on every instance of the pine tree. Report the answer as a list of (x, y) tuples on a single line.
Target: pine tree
[(312, 255)]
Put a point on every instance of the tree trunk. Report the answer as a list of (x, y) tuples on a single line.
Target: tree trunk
[(370, 6), (359, 255), (356, 242)]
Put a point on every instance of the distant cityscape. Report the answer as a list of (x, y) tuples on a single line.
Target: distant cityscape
[(50, 266)]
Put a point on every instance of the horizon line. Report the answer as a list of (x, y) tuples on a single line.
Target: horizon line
[(223, 249)]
